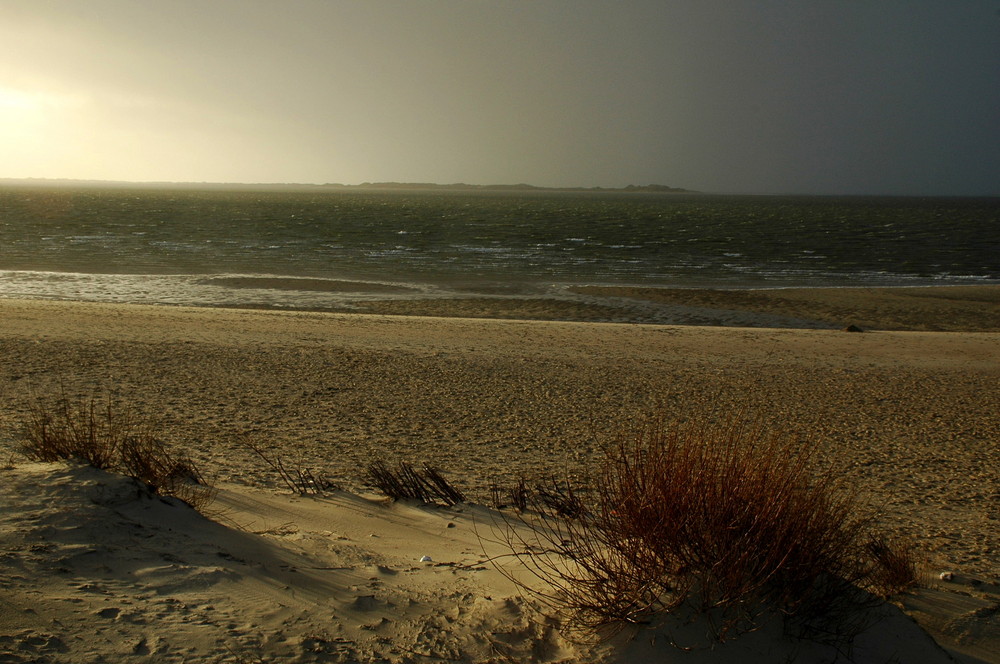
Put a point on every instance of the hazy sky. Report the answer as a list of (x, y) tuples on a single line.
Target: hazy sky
[(762, 96)]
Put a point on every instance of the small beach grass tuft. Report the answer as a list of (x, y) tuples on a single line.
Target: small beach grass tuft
[(297, 478), (406, 482)]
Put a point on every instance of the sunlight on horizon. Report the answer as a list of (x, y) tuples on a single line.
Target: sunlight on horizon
[(123, 136)]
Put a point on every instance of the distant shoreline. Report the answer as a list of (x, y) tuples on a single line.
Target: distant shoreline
[(62, 183)]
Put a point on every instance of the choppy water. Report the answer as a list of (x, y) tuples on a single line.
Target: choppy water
[(296, 249)]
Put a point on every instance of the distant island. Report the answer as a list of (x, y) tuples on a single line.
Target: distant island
[(461, 186), (331, 186)]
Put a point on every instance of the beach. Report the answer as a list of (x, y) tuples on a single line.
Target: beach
[(908, 410)]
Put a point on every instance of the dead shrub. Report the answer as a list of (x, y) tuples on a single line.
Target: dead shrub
[(731, 521), (111, 437)]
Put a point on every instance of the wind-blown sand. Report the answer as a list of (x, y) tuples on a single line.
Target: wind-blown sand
[(91, 569)]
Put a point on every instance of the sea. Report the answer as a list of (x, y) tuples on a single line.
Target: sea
[(331, 248)]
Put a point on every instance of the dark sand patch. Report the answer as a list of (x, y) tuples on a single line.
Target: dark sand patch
[(497, 307)]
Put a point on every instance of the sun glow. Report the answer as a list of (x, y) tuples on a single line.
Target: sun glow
[(34, 128), (13, 100), (23, 119)]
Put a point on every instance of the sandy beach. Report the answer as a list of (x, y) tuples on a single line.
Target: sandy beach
[(908, 410)]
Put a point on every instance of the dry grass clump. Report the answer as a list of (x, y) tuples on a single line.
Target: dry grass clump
[(83, 431), (895, 565), (111, 437), (516, 496), (299, 480), (732, 522), (559, 498), (406, 482)]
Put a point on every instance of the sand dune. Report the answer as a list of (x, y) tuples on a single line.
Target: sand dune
[(97, 569)]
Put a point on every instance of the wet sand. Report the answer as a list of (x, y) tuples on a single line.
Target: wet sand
[(946, 308)]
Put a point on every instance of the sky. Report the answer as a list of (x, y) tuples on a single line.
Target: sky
[(729, 96)]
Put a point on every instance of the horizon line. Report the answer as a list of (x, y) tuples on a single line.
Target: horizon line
[(388, 184), (455, 186)]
